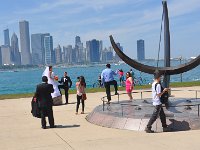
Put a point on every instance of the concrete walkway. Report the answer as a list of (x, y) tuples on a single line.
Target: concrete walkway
[(20, 131)]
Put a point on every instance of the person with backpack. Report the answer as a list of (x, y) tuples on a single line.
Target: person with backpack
[(157, 92)]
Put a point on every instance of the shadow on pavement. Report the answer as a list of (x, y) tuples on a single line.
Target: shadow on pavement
[(179, 125), (67, 126)]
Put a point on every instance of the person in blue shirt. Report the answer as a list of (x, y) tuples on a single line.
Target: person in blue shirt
[(107, 77)]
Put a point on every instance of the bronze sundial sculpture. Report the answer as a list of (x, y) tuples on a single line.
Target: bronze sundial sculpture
[(167, 70)]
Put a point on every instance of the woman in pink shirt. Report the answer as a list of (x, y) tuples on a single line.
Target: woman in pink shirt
[(129, 85), (80, 87)]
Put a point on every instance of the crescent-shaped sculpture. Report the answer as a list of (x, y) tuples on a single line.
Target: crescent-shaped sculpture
[(151, 69)]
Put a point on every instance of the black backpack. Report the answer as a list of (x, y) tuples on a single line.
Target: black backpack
[(164, 96)]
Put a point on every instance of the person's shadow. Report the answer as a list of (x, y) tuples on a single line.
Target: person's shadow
[(178, 125), (67, 126)]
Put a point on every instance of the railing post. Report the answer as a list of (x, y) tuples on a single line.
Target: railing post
[(196, 94), (103, 103), (118, 98), (141, 95), (122, 111)]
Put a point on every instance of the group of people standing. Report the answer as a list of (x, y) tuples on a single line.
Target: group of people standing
[(50, 89), (107, 77)]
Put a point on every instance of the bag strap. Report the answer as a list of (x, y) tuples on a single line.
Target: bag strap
[(156, 86)]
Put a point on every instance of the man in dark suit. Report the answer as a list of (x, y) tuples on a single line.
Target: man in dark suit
[(66, 84), (45, 102)]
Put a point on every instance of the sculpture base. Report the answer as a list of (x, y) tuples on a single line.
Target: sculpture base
[(136, 114)]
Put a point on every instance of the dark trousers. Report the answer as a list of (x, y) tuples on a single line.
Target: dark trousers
[(66, 89), (107, 86), (49, 113), (79, 100), (158, 111), (66, 94)]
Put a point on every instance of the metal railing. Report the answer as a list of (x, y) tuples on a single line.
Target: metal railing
[(141, 96), (186, 105)]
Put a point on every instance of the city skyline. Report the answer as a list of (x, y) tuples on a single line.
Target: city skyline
[(136, 20)]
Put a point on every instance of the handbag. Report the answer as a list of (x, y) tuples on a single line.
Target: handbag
[(35, 110), (84, 97)]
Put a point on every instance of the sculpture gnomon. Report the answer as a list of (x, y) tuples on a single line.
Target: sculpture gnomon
[(167, 70)]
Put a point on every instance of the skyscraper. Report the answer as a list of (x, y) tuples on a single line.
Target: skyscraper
[(58, 55), (48, 48), (93, 48), (140, 50), (6, 37), (25, 42), (117, 58), (6, 55), (100, 49), (77, 40), (79, 50), (68, 54), (15, 54), (107, 55)]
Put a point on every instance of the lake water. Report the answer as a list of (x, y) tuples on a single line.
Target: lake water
[(25, 81)]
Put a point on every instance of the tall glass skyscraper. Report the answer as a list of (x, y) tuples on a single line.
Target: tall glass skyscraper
[(6, 55), (6, 37), (25, 42), (15, 54), (68, 54), (48, 48), (140, 50), (58, 52), (94, 50)]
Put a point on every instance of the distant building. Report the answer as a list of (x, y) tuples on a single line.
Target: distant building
[(6, 55), (37, 46), (79, 50), (77, 40), (48, 48), (53, 58), (117, 58), (140, 50), (58, 52), (25, 42), (68, 54), (100, 49), (6, 37), (15, 54), (107, 55), (0, 57), (87, 51), (93, 49)]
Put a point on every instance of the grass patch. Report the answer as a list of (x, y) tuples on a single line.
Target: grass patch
[(94, 90)]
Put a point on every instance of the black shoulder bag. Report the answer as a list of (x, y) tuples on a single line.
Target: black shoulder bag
[(164, 96)]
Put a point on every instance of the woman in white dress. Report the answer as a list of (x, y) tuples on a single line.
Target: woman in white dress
[(50, 75)]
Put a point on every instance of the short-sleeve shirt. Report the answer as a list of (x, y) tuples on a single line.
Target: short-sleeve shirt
[(107, 75), (155, 91)]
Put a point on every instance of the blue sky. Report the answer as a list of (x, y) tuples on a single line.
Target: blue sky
[(126, 20)]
